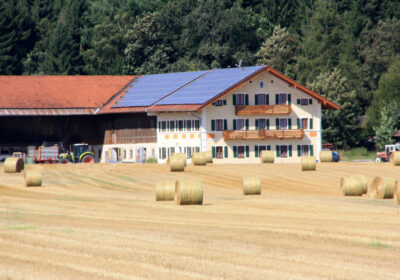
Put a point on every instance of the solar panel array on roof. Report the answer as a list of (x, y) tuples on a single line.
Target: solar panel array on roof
[(148, 89), (209, 86)]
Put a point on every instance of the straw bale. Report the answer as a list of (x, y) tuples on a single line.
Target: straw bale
[(325, 156), (267, 156), (33, 178), (396, 158), (396, 193), (251, 185), (176, 163), (209, 158), (165, 190), (308, 163), (351, 186), (188, 192), (382, 187), (199, 159), (13, 165), (182, 155)]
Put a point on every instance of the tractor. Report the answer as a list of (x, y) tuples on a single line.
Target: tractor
[(80, 153), (386, 155)]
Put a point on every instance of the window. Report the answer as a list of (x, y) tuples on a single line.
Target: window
[(162, 153), (303, 101), (261, 99), (171, 125), (188, 125), (188, 152), (240, 99), (131, 154), (163, 126), (304, 123), (240, 124), (196, 125), (305, 151), (261, 124), (219, 125), (180, 125), (261, 84), (220, 102), (219, 152), (282, 98), (282, 123), (197, 149), (240, 152)]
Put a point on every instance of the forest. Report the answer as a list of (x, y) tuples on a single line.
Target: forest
[(348, 51)]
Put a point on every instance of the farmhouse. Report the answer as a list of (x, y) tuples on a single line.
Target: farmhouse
[(236, 113)]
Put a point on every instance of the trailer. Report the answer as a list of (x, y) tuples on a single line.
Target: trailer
[(45, 154)]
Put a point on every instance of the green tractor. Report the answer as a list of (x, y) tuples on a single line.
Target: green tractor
[(80, 153)]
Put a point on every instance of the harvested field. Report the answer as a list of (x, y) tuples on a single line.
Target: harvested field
[(102, 222)]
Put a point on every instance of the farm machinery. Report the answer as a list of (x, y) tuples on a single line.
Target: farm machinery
[(56, 152), (386, 155)]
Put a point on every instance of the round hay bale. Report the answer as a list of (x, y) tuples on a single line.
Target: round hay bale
[(188, 192), (351, 186), (182, 155), (325, 156), (176, 163), (33, 178), (267, 156), (251, 185), (199, 159), (396, 158), (308, 163), (396, 193), (13, 165), (165, 190), (209, 157), (382, 187), (364, 181)]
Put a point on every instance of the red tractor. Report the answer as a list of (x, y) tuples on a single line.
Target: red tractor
[(386, 155)]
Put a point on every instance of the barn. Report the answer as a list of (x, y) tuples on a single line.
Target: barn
[(235, 113)]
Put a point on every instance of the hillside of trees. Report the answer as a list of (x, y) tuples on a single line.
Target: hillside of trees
[(348, 51)]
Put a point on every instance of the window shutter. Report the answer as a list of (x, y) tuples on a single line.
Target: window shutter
[(256, 150), (269, 148), (212, 125), (311, 150), (256, 124), (213, 152), (168, 151), (276, 99), (185, 150), (290, 151), (298, 150), (277, 124), (234, 99), (247, 151), (311, 124), (224, 102), (234, 152), (226, 151), (159, 126), (267, 121), (298, 101), (234, 124), (247, 124), (246, 99), (298, 123), (225, 124), (278, 154), (289, 123), (159, 153), (256, 99), (173, 150), (289, 98), (310, 101), (267, 99)]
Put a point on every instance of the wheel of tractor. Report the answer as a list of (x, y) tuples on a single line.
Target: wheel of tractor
[(88, 159), (378, 159), (64, 161)]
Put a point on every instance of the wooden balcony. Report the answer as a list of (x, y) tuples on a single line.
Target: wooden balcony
[(263, 134), (259, 110)]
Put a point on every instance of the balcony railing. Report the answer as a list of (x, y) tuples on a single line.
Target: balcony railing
[(254, 110), (263, 134)]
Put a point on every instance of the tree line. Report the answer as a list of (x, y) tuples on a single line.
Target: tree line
[(348, 51)]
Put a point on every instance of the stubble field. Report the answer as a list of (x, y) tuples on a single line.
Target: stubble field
[(102, 222)]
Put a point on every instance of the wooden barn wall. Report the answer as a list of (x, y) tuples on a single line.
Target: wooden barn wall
[(95, 130)]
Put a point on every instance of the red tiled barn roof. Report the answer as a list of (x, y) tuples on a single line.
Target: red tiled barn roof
[(59, 91)]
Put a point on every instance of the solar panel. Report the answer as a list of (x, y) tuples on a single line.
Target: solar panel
[(209, 86), (148, 89)]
